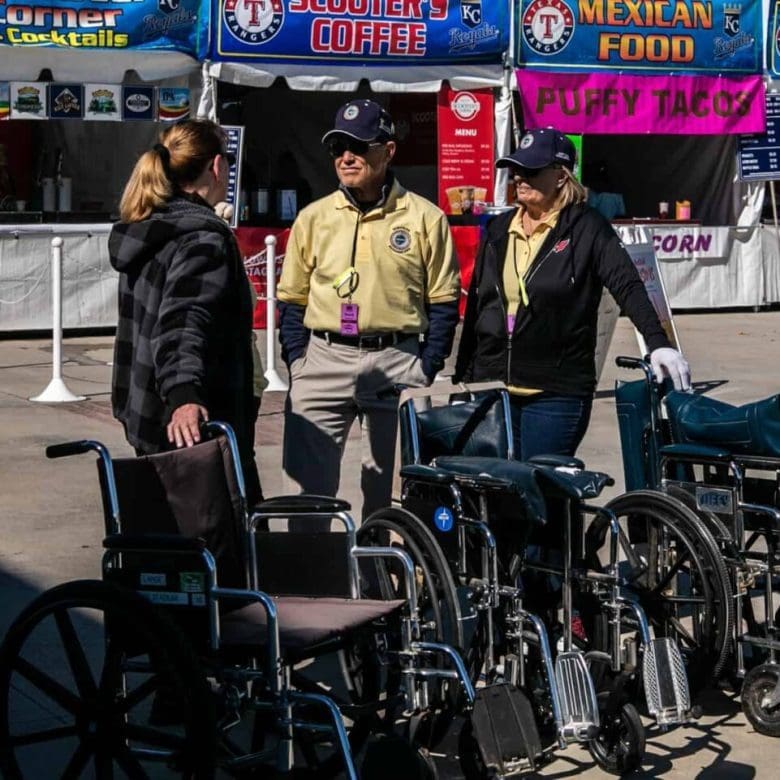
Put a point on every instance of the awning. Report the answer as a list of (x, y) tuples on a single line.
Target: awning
[(25, 64), (402, 78)]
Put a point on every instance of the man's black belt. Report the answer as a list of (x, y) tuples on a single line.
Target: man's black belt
[(374, 341)]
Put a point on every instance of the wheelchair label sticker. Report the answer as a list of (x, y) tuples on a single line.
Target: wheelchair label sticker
[(443, 518), (713, 500), (191, 582), (166, 597), (148, 579)]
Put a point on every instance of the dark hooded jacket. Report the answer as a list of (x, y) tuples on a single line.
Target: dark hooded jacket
[(185, 324), (553, 344)]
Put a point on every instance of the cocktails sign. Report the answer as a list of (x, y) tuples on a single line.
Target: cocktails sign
[(172, 25)]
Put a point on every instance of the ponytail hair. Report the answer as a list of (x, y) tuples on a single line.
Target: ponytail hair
[(182, 153)]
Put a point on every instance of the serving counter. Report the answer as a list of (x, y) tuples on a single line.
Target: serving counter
[(88, 281), (703, 267)]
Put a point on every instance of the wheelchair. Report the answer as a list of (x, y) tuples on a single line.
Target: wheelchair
[(701, 525), (211, 644), (470, 518)]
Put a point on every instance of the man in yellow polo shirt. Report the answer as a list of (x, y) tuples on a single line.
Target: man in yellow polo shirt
[(368, 297)]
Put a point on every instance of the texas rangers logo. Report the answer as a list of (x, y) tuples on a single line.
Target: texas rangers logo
[(548, 26), (253, 21), (400, 240)]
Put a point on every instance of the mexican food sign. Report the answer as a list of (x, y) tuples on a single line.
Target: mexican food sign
[(650, 36), (173, 25)]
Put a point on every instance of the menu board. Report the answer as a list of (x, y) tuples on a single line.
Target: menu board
[(466, 148), (758, 156)]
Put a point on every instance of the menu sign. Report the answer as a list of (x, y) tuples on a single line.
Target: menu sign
[(758, 156), (466, 149)]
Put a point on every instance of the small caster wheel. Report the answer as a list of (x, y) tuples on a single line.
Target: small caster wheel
[(620, 745), (761, 698)]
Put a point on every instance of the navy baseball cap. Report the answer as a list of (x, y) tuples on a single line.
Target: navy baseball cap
[(364, 120), (540, 148)]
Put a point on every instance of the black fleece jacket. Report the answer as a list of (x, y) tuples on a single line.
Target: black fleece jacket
[(553, 344)]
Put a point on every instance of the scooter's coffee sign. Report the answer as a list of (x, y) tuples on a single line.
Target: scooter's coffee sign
[(404, 31)]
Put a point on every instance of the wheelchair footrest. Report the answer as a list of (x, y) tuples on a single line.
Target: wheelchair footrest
[(666, 682), (505, 729), (577, 695)]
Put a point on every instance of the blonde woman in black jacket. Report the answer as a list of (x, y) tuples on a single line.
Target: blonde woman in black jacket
[(532, 309)]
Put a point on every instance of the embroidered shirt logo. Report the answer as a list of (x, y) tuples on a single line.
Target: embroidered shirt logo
[(400, 240), (561, 245)]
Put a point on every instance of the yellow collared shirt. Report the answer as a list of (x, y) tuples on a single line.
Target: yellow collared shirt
[(404, 255), (520, 253)]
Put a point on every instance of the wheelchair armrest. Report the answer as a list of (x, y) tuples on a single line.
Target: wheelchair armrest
[(557, 460), (141, 542), (694, 452), (407, 563), (300, 505), (429, 474)]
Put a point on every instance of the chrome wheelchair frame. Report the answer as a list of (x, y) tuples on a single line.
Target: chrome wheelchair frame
[(723, 499), (217, 672)]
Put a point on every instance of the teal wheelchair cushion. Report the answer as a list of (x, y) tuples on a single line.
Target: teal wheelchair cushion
[(751, 429)]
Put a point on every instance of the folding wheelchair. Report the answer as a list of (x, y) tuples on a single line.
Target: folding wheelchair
[(193, 656), (702, 532), (483, 531)]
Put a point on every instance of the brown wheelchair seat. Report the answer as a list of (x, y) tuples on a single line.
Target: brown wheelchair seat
[(304, 621)]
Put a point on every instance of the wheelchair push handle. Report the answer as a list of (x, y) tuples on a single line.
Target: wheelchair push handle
[(72, 448), (641, 364)]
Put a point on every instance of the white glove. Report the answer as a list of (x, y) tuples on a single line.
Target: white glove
[(668, 362)]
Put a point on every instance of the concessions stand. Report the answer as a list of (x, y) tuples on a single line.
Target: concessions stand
[(662, 96), (283, 75), (82, 93)]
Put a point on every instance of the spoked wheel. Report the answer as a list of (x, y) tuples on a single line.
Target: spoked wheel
[(672, 567), (94, 683), (760, 701), (620, 745), (437, 598)]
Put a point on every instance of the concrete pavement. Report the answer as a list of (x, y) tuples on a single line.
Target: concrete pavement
[(52, 524)]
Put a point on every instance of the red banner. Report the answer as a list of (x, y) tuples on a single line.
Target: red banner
[(466, 238), (465, 135), (251, 242)]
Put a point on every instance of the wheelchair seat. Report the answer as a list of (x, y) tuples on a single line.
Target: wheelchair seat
[(534, 481), (750, 429), (304, 622)]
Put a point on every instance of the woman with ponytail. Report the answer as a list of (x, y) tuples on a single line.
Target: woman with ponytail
[(183, 351)]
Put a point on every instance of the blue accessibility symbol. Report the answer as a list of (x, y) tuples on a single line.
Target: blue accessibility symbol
[(443, 518)]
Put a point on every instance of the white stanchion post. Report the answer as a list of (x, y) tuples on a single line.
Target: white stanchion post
[(56, 391), (275, 382)]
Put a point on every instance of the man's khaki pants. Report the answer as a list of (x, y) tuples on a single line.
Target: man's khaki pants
[(331, 386)]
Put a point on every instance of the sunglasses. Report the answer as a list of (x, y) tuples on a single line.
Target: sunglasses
[(526, 174), (361, 148)]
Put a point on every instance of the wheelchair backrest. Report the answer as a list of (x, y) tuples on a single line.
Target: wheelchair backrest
[(639, 442), (477, 427), (191, 492)]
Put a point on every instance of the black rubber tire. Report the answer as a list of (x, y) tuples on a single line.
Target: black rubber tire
[(92, 692), (437, 595), (706, 648), (757, 683), (620, 745)]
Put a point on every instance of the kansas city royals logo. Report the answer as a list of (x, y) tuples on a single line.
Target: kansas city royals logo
[(167, 6), (548, 26), (471, 12), (400, 240), (253, 21), (732, 17)]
